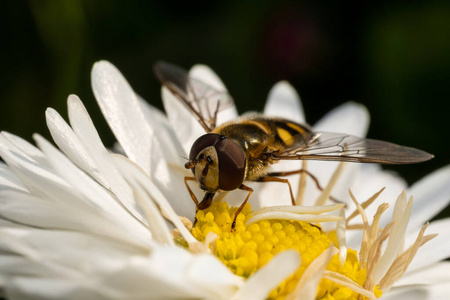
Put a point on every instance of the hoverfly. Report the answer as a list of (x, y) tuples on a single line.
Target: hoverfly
[(243, 149)]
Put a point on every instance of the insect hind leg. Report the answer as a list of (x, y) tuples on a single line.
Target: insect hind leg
[(275, 175), (276, 179)]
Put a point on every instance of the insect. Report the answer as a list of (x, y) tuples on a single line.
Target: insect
[(243, 149)]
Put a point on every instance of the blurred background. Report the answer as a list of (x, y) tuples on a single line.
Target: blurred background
[(394, 57)]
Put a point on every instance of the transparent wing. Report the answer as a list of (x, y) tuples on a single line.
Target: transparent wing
[(344, 147), (200, 98)]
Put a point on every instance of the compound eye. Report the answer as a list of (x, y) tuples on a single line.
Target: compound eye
[(231, 164), (201, 143)]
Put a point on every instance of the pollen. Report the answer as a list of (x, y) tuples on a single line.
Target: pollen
[(248, 248)]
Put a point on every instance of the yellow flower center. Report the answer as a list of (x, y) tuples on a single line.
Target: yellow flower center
[(248, 248)]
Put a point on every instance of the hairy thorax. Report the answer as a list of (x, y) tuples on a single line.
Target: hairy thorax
[(257, 140)]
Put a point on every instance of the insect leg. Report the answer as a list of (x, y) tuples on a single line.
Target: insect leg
[(206, 202), (186, 179), (276, 179), (314, 178), (250, 191)]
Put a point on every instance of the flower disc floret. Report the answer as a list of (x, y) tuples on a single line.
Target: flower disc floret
[(248, 248)]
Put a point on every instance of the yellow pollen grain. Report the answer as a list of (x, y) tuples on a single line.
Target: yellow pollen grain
[(246, 249)]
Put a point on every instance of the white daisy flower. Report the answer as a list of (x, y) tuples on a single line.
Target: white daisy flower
[(81, 222), (86, 225)]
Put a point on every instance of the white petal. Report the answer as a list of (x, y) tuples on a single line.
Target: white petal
[(259, 285), (182, 120), (25, 147), (168, 168), (438, 291), (17, 265), (372, 178), (307, 286), (89, 190), (137, 177), (83, 185), (273, 193), (160, 276), (50, 288), (421, 292), (17, 246), (407, 293), (396, 239), (340, 235), (283, 101), (170, 182), (95, 164), (71, 145), (435, 250), (164, 135), (208, 76), (168, 273), (323, 171), (143, 195), (227, 114), (9, 180), (28, 210), (70, 252), (39, 180), (122, 111), (84, 128), (430, 274), (212, 276), (351, 118), (431, 195)]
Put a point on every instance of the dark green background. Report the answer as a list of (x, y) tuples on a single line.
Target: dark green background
[(393, 57)]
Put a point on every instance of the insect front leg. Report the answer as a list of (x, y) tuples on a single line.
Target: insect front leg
[(205, 203), (186, 179), (250, 191)]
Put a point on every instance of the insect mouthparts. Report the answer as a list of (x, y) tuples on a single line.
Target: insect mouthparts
[(205, 170)]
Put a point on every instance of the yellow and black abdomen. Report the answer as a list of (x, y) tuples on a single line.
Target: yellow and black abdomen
[(284, 130), (258, 136)]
